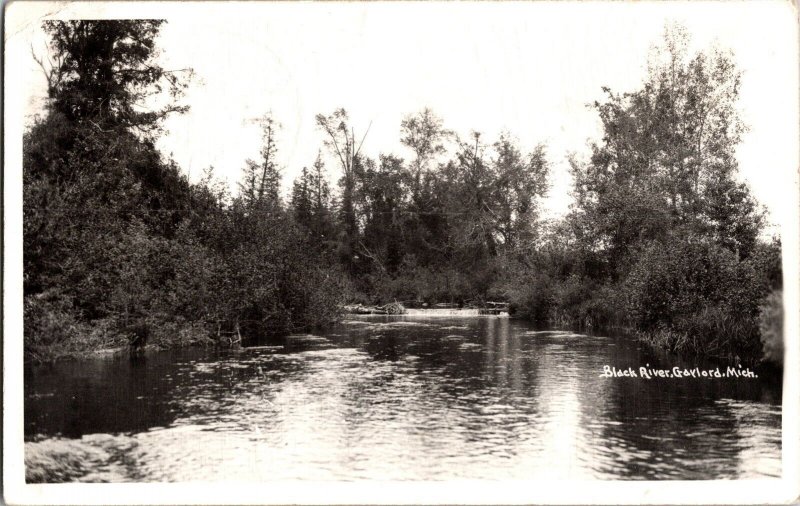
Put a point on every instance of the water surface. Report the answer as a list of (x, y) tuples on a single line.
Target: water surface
[(398, 398)]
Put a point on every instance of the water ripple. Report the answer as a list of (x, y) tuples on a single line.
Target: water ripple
[(397, 399)]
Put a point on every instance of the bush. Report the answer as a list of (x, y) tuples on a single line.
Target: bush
[(692, 295), (420, 283), (321, 292), (716, 331), (52, 329), (770, 322), (169, 333), (766, 260), (532, 297), (565, 301)]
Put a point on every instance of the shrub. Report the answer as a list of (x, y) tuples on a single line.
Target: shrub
[(168, 333), (52, 329), (716, 331), (676, 279), (692, 295), (322, 290), (415, 282), (532, 297), (770, 322), (766, 260)]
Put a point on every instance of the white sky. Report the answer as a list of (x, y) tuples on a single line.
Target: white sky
[(529, 68)]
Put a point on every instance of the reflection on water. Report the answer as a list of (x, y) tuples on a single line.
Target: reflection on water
[(397, 398)]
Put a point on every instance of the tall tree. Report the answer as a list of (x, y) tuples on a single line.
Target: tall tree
[(494, 190), (106, 72), (425, 135), (383, 190), (302, 199), (342, 142), (520, 182), (261, 185), (667, 157), (319, 187), (311, 206), (90, 166), (470, 178)]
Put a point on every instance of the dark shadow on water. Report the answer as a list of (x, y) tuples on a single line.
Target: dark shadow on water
[(413, 393)]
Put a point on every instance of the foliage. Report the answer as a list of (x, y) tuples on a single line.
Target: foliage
[(425, 135), (54, 329), (262, 181), (771, 327), (667, 158), (114, 234), (312, 207), (662, 236), (660, 218), (698, 293), (105, 70)]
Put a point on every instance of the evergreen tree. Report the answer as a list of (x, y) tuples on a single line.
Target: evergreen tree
[(261, 184), (105, 71), (302, 201)]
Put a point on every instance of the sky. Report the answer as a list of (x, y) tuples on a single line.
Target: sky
[(529, 68)]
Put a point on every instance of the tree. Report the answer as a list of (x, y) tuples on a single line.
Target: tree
[(520, 182), (105, 72), (311, 206), (301, 200), (470, 178), (495, 191), (667, 158), (103, 85), (99, 201), (320, 189), (383, 191), (424, 134), (342, 142), (262, 180), (114, 232)]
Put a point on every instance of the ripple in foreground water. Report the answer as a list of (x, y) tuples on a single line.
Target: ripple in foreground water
[(398, 398)]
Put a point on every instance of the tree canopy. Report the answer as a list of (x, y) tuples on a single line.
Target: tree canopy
[(662, 236)]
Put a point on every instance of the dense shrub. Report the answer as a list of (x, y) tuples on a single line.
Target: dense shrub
[(532, 297), (168, 331), (688, 294), (53, 328), (771, 327), (693, 295), (427, 284)]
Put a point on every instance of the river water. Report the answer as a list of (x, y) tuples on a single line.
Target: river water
[(398, 398)]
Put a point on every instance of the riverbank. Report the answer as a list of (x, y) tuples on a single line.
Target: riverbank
[(711, 334), (724, 337), (52, 335)]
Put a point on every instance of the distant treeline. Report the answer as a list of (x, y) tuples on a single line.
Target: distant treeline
[(661, 238)]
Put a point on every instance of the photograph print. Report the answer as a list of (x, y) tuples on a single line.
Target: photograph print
[(367, 242)]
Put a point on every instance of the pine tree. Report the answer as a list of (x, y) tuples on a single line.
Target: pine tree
[(261, 183), (301, 200), (103, 71)]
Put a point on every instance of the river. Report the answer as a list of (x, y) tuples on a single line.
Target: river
[(398, 398)]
